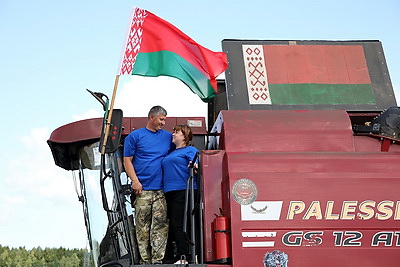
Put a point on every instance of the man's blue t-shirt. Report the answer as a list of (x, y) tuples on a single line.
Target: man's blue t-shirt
[(175, 168), (148, 150)]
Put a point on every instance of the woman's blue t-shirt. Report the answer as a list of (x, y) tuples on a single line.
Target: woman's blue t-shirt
[(148, 150), (175, 168)]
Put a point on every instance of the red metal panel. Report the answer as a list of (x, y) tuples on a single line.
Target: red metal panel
[(136, 123), (287, 130), (350, 199), (198, 128), (211, 169), (197, 124)]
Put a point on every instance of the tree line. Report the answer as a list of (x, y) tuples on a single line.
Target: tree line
[(48, 257)]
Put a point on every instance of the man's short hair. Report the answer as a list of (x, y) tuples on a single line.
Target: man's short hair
[(157, 110)]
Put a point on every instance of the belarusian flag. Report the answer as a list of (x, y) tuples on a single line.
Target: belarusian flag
[(307, 75), (155, 47)]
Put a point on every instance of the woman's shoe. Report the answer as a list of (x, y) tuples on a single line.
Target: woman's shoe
[(181, 262)]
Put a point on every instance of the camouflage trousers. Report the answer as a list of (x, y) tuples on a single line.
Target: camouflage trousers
[(151, 226)]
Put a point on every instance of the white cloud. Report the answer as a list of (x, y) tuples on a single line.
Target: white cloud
[(8, 202), (92, 113), (38, 201), (34, 171), (138, 94), (35, 138)]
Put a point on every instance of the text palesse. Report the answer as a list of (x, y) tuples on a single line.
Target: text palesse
[(349, 210)]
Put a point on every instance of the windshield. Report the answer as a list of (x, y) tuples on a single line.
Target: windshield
[(95, 218), (105, 221)]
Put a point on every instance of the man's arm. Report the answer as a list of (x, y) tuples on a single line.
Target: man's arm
[(130, 171)]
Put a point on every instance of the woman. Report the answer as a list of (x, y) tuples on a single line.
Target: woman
[(175, 174)]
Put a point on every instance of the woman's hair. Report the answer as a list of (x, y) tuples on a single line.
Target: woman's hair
[(186, 131)]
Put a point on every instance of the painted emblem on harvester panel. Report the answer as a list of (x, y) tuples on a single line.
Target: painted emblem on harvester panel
[(276, 258), (244, 191)]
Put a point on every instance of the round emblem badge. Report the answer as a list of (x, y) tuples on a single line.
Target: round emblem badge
[(276, 258), (244, 191)]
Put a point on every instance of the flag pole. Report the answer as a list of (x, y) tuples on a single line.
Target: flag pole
[(108, 121)]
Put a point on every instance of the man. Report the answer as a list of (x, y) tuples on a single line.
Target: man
[(144, 149)]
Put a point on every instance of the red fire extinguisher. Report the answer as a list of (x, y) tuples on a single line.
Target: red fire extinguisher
[(222, 240)]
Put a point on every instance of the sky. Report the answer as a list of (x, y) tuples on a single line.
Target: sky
[(51, 51)]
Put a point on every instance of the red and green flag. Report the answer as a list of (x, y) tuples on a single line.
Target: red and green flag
[(318, 74), (155, 47)]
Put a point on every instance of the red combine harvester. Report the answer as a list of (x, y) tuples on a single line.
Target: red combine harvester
[(299, 164)]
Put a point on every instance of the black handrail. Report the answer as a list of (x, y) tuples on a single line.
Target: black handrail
[(190, 193)]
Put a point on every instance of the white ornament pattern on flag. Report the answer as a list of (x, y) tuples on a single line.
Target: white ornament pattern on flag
[(133, 41), (256, 74)]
